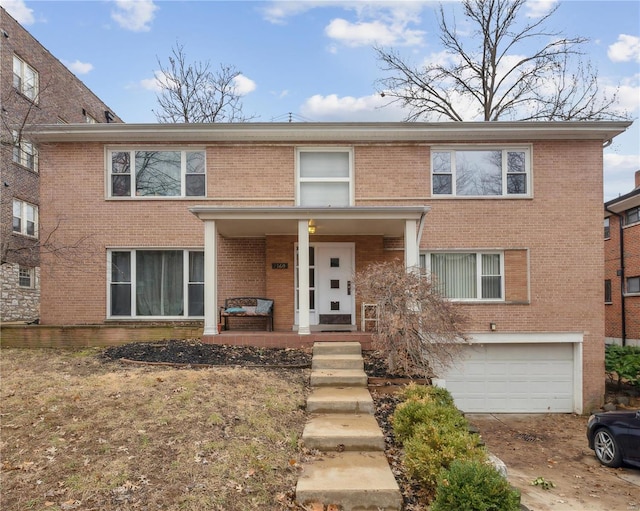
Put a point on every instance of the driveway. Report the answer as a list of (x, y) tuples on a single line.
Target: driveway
[(552, 449)]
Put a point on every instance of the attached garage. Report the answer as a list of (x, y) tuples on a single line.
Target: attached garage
[(505, 373)]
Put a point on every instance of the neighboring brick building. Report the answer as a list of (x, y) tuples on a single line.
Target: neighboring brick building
[(622, 267), (35, 89), (183, 216)]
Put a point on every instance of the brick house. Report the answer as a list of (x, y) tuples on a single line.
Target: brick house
[(180, 217), (36, 88), (622, 267)]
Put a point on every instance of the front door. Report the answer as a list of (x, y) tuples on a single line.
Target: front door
[(334, 274)]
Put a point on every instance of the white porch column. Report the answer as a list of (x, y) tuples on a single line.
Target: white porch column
[(210, 278), (411, 249), (303, 277)]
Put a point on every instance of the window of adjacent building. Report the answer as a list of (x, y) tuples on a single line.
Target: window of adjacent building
[(324, 177), (89, 119), (157, 173), (25, 78), (632, 216), (633, 285), (25, 218), (26, 277), (467, 275), (607, 291), (24, 153), (607, 228), (481, 172), (156, 283)]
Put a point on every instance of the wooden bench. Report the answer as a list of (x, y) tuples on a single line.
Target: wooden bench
[(247, 307)]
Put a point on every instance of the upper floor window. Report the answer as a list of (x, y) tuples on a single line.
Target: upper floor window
[(631, 216), (607, 228), (607, 291), (25, 78), (157, 173), (633, 285), (481, 172), (24, 153), (25, 218), (26, 277), (468, 275), (325, 177)]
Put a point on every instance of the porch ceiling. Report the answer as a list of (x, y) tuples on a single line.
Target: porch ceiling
[(259, 222)]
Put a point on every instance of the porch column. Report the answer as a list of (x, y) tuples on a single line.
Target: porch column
[(411, 249), (210, 278), (303, 277)]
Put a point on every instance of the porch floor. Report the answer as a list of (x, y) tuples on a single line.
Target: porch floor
[(283, 339)]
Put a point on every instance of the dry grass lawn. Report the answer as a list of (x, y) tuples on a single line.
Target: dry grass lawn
[(80, 433)]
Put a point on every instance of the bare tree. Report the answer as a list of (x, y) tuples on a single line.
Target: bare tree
[(193, 93), (494, 75), (418, 329)]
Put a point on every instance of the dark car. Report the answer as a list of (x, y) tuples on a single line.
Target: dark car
[(615, 437)]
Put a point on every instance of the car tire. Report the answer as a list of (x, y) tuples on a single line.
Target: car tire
[(606, 448)]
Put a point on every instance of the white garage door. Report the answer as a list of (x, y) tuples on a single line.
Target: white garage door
[(514, 378)]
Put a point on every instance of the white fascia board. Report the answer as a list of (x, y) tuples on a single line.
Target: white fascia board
[(525, 337)]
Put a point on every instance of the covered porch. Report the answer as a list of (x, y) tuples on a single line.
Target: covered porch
[(300, 301)]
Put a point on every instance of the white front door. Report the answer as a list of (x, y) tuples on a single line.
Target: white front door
[(334, 275)]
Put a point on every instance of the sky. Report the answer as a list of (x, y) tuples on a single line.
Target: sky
[(311, 60)]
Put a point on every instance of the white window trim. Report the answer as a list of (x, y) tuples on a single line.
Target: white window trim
[(32, 277), (22, 89), (185, 284), (527, 149), (337, 149), (20, 143), (23, 219), (183, 173), (478, 253)]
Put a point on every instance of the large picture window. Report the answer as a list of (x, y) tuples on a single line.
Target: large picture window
[(25, 218), (468, 275), (25, 78), (480, 172), (157, 173), (156, 283), (324, 177)]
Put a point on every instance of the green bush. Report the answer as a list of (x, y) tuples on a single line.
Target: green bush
[(474, 486), (415, 412), (439, 395), (624, 361)]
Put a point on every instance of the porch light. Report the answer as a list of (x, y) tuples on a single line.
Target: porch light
[(312, 227)]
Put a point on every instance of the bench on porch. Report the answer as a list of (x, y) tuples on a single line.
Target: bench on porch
[(247, 307)]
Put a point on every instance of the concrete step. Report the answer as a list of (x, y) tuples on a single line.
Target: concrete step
[(338, 378), (354, 480), (340, 400), (343, 432), (337, 348), (341, 361)]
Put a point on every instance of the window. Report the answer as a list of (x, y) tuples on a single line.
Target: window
[(480, 172), (468, 275), (156, 283), (631, 216), (607, 228), (25, 218), (633, 285), (607, 291), (24, 153), (157, 173), (324, 177), (26, 277), (25, 78)]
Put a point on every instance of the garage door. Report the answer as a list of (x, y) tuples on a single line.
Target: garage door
[(515, 378)]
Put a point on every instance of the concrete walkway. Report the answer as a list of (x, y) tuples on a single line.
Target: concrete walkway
[(353, 473)]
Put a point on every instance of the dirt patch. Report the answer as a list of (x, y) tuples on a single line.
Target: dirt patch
[(553, 448)]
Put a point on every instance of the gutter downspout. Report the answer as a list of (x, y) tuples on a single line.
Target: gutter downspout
[(623, 319)]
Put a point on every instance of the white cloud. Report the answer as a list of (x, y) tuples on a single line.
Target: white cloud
[(154, 84), (244, 85), (538, 8), (627, 49), (619, 172), (19, 11), (363, 33), (134, 15), (79, 68), (349, 108)]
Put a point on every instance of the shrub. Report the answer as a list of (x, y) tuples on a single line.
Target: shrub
[(414, 412), (474, 486), (438, 394), (623, 361)]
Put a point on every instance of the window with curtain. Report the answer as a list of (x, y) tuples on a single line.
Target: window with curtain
[(480, 172), (324, 177), (468, 275), (156, 283)]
